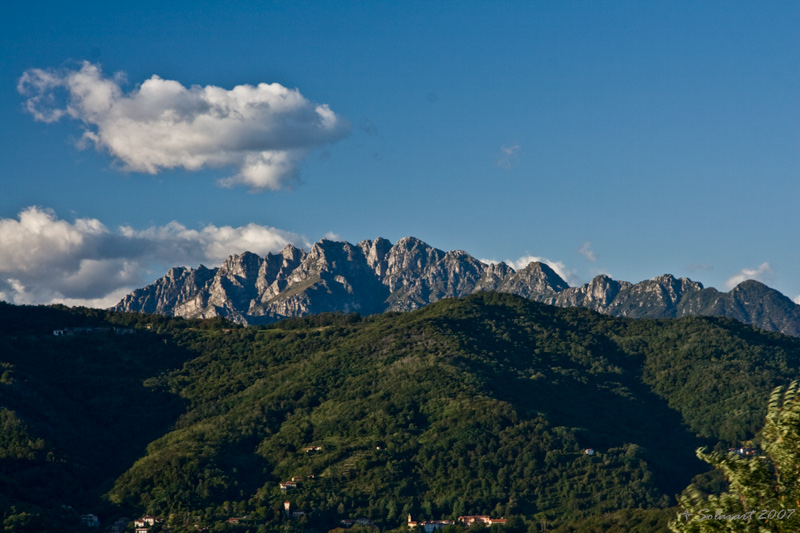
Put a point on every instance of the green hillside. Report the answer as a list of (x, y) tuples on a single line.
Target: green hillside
[(482, 405)]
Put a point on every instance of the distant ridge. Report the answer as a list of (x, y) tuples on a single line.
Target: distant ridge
[(375, 276)]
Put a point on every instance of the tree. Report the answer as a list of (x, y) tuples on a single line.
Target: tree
[(764, 492), (515, 524)]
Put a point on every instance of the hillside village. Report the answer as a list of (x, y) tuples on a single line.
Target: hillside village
[(148, 523), (337, 421)]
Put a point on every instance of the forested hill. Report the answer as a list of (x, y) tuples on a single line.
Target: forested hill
[(482, 405)]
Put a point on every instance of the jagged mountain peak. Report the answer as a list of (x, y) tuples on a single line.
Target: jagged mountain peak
[(546, 270), (327, 247), (375, 276), (683, 283), (534, 279), (243, 265), (410, 242), (750, 285), (291, 252), (375, 253), (601, 279), (176, 272), (379, 246)]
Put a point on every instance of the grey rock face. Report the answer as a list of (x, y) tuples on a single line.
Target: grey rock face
[(180, 284), (537, 280), (598, 294), (370, 277), (374, 276)]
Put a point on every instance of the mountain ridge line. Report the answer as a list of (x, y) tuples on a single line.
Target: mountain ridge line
[(374, 276)]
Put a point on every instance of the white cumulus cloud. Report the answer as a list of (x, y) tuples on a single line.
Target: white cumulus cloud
[(762, 273), (262, 131), (44, 259)]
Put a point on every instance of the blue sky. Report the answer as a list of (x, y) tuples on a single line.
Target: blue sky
[(628, 138)]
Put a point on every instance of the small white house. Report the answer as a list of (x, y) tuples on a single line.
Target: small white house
[(146, 520)]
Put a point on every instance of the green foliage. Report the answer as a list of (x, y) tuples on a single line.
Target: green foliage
[(623, 521), (714, 371), (476, 406), (764, 492), (74, 413)]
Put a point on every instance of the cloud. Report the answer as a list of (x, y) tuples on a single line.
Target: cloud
[(263, 131), (797, 299), (763, 273), (104, 302), (508, 156), (44, 259), (587, 252)]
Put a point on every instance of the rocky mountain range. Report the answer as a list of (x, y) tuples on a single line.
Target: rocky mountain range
[(375, 276)]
